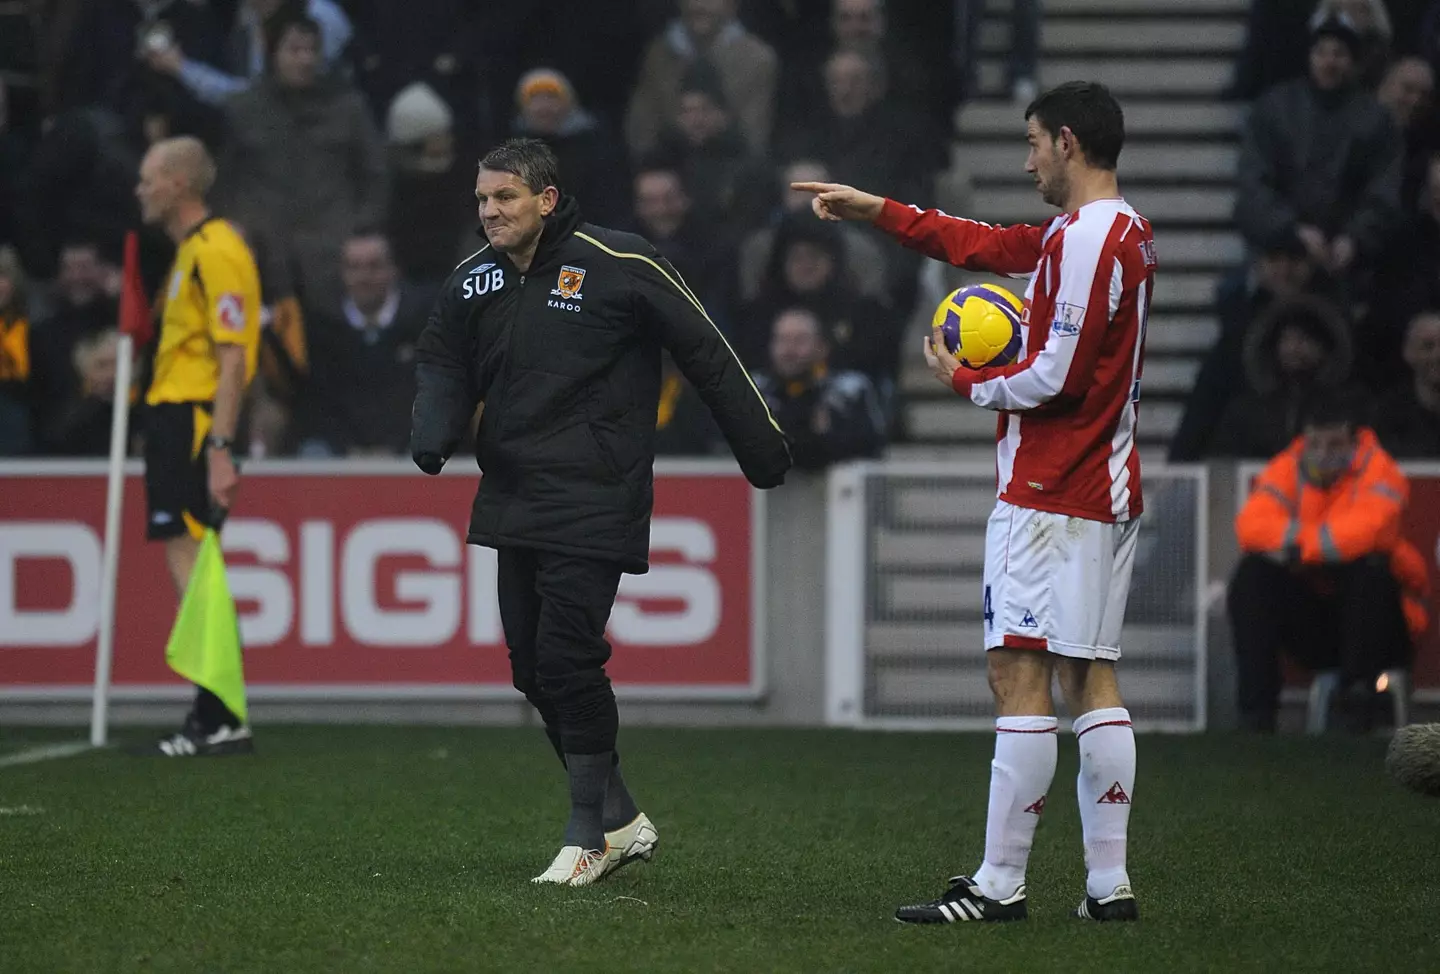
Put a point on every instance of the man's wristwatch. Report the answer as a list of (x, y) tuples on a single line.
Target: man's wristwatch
[(213, 442)]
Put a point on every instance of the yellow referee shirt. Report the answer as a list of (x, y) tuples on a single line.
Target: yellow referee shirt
[(212, 296)]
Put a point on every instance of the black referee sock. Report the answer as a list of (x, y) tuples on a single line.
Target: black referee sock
[(210, 714), (620, 808), (589, 774)]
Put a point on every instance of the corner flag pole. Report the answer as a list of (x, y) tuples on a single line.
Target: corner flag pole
[(110, 568), (135, 328)]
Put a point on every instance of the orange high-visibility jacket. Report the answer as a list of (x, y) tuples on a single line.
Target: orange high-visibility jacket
[(1356, 516)]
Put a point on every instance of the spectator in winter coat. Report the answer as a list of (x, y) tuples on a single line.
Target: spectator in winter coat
[(1406, 92), (394, 49), (747, 66), (1407, 279), (79, 424), (79, 184), (1296, 350), (1279, 273), (362, 358), (863, 26), (15, 421), (1326, 579), (591, 157), (731, 185), (807, 270), (1407, 419), (89, 50), (1321, 161), (305, 158), (70, 367), (830, 416), (244, 58), (865, 261), (862, 137), (428, 232), (665, 215)]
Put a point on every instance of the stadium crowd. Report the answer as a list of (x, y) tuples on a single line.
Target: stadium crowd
[(346, 133), (1338, 205)]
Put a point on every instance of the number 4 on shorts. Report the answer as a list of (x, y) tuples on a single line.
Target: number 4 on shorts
[(989, 612)]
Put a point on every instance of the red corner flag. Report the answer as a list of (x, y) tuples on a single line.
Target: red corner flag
[(134, 306)]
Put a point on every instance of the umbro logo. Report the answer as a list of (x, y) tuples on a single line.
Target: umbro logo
[(1036, 807), (1027, 621), (1115, 796)]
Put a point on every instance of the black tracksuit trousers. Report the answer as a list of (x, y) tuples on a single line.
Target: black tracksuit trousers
[(554, 608), (1346, 616)]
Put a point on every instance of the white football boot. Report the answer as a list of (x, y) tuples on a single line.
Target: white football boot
[(575, 866), (630, 842)]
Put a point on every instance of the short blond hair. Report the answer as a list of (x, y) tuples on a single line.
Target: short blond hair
[(187, 157)]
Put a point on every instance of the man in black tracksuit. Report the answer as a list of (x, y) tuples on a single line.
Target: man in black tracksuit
[(555, 328)]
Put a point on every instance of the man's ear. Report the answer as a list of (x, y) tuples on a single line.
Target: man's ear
[(549, 199), (1069, 145)]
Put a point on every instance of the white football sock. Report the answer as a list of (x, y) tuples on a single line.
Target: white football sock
[(1020, 775), (1104, 788)]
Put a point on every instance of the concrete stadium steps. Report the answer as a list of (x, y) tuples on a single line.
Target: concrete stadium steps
[(983, 454), (1145, 163), (1131, 8), (1016, 203), (953, 550), (1163, 376), (1168, 61), (1125, 76), (942, 420), (1144, 121), (1132, 35)]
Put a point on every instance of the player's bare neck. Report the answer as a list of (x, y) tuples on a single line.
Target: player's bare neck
[(188, 215), (1088, 185)]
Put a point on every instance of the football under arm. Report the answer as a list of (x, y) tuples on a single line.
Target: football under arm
[(1059, 369)]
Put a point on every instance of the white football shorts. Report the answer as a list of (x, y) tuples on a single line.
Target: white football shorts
[(1055, 582)]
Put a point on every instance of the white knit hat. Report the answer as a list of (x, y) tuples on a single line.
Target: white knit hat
[(416, 114)]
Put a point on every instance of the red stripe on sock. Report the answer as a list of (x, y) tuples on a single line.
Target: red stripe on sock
[(1107, 723), (1026, 642), (1008, 730)]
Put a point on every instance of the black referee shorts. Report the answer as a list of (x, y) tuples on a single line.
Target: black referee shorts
[(177, 480)]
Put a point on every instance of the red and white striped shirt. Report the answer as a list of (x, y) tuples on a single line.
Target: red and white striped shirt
[(1068, 407)]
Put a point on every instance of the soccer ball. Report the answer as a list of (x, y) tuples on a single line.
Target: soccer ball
[(980, 325)]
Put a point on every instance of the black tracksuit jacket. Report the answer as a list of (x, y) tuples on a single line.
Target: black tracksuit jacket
[(566, 359)]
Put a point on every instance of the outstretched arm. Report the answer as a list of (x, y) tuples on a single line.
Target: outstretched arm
[(964, 243)]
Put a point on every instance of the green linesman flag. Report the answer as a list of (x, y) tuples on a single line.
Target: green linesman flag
[(204, 646)]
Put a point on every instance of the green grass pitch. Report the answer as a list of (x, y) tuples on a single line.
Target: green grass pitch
[(410, 849)]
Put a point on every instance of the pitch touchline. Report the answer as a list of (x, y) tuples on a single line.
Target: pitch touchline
[(49, 752)]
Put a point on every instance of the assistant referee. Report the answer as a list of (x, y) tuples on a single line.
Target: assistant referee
[(204, 357)]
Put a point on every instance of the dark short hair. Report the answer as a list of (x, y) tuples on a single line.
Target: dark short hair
[(1088, 110), (1327, 408), (371, 231), (531, 160), (282, 21), (662, 167), (805, 311)]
